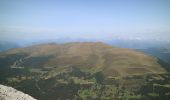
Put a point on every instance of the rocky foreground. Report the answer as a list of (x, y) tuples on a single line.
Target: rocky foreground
[(9, 93)]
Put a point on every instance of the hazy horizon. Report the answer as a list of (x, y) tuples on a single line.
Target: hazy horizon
[(30, 20)]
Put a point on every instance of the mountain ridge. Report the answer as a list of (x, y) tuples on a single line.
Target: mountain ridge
[(80, 71), (95, 56)]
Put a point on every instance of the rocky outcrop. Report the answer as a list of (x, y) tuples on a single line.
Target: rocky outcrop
[(9, 93)]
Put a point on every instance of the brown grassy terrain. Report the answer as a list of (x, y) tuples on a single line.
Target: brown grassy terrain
[(90, 56)]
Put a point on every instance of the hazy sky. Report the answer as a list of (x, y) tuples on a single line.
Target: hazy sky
[(109, 19)]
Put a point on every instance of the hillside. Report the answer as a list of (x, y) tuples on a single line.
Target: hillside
[(88, 56), (80, 71)]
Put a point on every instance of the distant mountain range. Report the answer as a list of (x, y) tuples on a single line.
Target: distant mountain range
[(161, 53), (4, 45), (139, 44)]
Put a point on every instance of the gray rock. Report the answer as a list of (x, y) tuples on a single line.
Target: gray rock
[(9, 93)]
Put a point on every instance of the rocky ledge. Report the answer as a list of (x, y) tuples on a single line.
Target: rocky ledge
[(9, 93)]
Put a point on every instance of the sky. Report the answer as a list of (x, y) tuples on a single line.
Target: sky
[(100, 19)]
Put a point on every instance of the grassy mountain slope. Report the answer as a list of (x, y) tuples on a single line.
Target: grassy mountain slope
[(87, 56), (83, 71)]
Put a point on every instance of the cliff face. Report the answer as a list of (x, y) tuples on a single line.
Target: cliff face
[(9, 93)]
